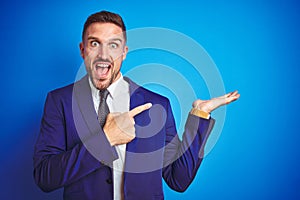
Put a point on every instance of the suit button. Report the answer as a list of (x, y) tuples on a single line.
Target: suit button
[(108, 181)]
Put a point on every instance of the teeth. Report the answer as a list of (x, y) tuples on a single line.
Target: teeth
[(102, 65)]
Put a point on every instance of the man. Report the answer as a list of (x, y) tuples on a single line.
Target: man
[(105, 137)]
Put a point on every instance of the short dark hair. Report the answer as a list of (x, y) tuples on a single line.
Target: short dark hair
[(105, 17)]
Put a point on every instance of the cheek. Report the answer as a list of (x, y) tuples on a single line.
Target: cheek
[(117, 56), (89, 56), (90, 52), (118, 63)]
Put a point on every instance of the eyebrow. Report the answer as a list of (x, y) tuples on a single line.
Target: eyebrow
[(112, 39)]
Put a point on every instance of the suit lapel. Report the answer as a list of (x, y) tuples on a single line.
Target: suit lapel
[(136, 99), (82, 93), (83, 96), (87, 125)]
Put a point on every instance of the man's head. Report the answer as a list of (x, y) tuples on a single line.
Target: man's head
[(103, 47)]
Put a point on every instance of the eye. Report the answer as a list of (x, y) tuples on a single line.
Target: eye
[(113, 45), (95, 44)]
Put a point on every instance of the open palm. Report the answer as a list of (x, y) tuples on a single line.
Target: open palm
[(212, 104)]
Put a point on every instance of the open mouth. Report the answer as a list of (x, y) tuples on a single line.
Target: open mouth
[(102, 69)]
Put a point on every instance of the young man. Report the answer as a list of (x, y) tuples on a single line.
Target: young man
[(105, 137)]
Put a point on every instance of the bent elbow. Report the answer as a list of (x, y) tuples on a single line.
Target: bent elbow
[(45, 188), (43, 184), (179, 186), (181, 189)]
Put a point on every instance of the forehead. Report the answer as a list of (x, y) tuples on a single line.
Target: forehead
[(104, 31)]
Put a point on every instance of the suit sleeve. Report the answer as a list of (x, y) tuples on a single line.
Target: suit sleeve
[(54, 165), (183, 158)]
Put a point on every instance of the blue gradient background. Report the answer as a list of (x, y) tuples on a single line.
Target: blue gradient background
[(255, 45)]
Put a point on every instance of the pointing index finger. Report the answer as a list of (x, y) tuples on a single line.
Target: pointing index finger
[(137, 110)]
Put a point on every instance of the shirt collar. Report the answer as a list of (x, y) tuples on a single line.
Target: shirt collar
[(116, 88)]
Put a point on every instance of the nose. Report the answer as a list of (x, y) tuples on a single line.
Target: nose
[(103, 52)]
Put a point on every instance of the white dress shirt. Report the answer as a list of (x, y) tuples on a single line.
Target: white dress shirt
[(117, 101)]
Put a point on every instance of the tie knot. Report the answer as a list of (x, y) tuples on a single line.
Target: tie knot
[(103, 94)]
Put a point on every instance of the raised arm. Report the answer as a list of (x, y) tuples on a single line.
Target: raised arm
[(183, 158)]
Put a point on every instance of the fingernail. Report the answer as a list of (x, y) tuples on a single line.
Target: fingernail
[(149, 105)]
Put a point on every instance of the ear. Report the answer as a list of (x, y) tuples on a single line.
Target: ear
[(81, 47), (125, 51)]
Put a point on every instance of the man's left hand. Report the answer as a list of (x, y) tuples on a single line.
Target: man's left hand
[(209, 105)]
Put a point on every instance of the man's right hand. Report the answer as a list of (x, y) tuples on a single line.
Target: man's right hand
[(119, 127)]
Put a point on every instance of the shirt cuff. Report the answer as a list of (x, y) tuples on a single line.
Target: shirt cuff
[(200, 113)]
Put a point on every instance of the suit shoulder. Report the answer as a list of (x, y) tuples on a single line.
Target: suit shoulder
[(65, 90), (153, 96), (148, 94)]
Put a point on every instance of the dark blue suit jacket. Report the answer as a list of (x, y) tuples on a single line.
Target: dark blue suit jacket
[(73, 152)]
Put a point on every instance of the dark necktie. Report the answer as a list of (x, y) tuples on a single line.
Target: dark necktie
[(103, 109)]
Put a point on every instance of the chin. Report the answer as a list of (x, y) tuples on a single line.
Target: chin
[(102, 84)]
